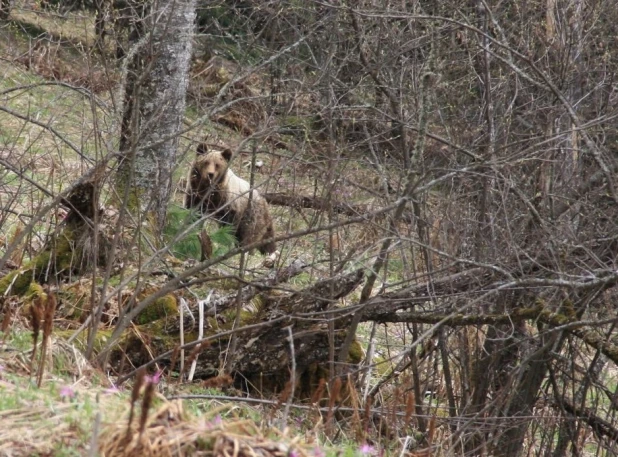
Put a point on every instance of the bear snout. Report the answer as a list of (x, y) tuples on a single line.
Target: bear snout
[(210, 179)]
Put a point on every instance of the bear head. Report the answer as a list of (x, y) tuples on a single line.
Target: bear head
[(212, 165)]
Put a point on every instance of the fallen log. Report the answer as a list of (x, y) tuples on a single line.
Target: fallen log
[(218, 304), (68, 250), (262, 355)]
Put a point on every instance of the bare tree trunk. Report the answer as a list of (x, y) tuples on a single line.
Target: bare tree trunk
[(154, 105), (157, 80)]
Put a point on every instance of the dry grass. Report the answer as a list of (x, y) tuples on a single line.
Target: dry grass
[(30, 430), (73, 413), (77, 27), (170, 431), (59, 415)]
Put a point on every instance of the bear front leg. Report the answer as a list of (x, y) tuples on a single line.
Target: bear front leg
[(271, 247)]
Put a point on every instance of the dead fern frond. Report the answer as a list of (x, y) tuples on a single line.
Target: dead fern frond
[(332, 399), (146, 404), (36, 316), (140, 378), (218, 382), (48, 325)]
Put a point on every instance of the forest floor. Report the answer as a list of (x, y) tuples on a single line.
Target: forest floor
[(77, 411), (72, 408)]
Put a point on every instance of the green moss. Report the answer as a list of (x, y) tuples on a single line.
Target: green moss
[(56, 259), (383, 365), (304, 279), (158, 335), (59, 257), (81, 340), (161, 308), (210, 90), (16, 282), (560, 319), (35, 290), (212, 322), (137, 345), (356, 353), (75, 299), (568, 309), (298, 125)]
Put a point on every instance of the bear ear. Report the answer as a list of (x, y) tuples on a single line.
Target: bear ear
[(227, 154), (202, 148)]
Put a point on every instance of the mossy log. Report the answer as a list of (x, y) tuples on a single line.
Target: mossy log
[(68, 249), (58, 257), (219, 304), (262, 356)]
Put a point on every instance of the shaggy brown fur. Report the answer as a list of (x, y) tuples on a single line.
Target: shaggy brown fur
[(217, 191)]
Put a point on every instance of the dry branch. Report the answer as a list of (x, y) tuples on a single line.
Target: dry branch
[(323, 204), (317, 203), (600, 426), (455, 319)]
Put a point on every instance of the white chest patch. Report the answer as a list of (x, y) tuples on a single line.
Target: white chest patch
[(236, 192)]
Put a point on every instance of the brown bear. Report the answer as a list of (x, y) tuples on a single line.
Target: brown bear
[(218, 192)]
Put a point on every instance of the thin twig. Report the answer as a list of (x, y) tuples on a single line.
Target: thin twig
[(183, 303), (288, 404), (200, 305)]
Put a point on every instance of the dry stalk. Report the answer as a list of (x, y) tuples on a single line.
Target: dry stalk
[(200, 305), (8, 316), (288, 398), (173, 360), (367, 413), (431, 431), (140, 378), (317, 395), (355, 421), (36, 316), (181, 309), (48, 325), (194, 354), (334, 394), (409, 408), (146, 404)]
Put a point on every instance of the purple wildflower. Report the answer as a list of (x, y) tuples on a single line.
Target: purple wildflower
[(366, 449), (216, 422), (111, 390), (67, 392), (155, 378)]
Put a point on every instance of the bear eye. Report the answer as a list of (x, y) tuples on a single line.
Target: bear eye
[(217, 167)]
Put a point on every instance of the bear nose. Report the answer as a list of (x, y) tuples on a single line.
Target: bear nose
[(211, 176)]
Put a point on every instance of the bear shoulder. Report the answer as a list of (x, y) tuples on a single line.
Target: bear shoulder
[(238, 191)]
